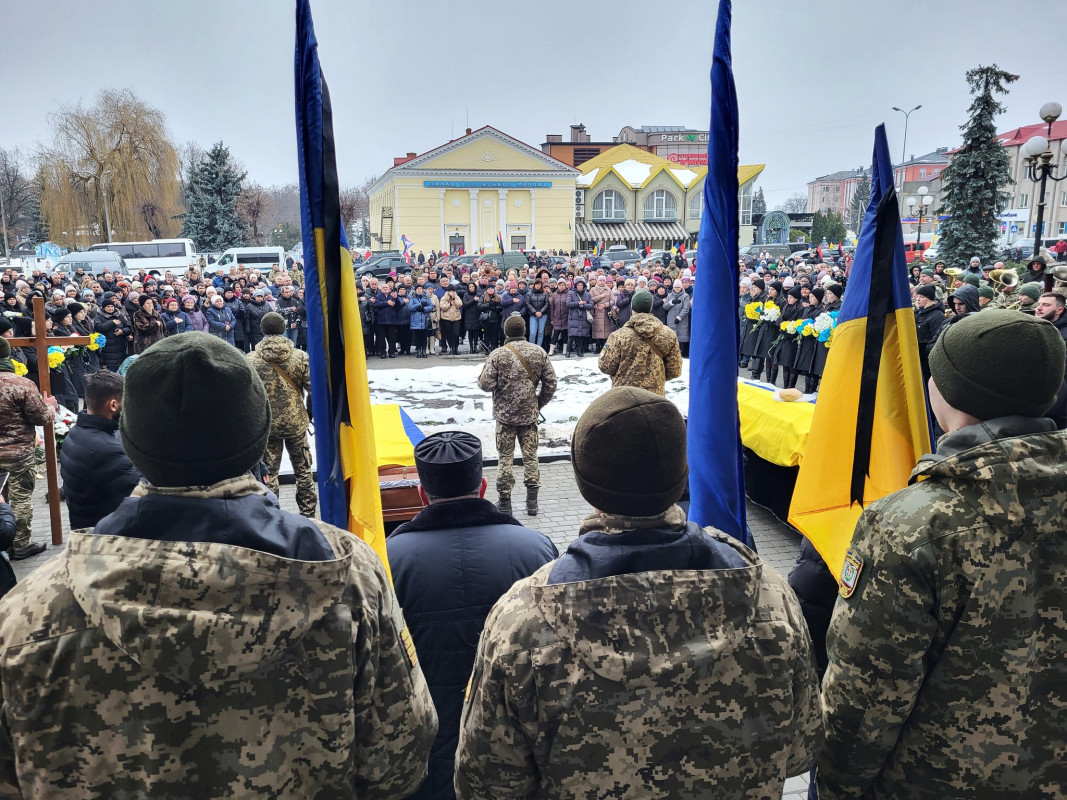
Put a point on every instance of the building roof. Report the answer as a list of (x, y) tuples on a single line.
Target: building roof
[(938, 156), (1019, 136), (843, 175), (636, 168), (661, 128)]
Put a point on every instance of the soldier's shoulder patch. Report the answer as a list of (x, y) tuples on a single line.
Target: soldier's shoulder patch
[(850, 573), (409, 646)]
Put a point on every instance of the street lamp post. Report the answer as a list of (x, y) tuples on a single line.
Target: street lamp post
[(1039, 167), (919, 206), (904, 149)]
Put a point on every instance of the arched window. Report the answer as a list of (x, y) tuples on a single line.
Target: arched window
[(696, 204), (660, 206), (609, 207)]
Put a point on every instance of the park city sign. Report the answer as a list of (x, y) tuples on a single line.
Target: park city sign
[(682, 138)]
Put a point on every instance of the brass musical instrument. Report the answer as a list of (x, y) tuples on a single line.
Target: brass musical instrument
[(1059, 278), (1004, 279), (954, 273)]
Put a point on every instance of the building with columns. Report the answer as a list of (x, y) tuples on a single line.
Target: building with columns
[(464, 193)]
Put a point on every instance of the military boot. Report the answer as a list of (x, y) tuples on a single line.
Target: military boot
[(503, 503), (531, 501)]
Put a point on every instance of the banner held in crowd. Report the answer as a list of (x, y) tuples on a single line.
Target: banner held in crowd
[(716, 472), (870, 425), (349, 496)]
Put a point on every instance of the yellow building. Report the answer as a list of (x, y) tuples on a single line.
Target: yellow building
[(466, 192), (634, 197)]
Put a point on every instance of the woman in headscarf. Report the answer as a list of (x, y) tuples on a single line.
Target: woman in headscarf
[(679, 305), (148, 327), (579, 311), (601, 295)]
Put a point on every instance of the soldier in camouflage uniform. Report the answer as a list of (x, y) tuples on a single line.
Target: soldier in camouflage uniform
[(655, 659), (644, 352), (522, 381), (286, 372), (21, 410), (200, 641), (947, 678)]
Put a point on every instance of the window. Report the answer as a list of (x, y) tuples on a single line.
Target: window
[(1024, 200), (1063, 201), (937, 171), (744, 204), (696, 205), (660, 206), (171, 250), (609, 207), (1063, 229), (922, 173)]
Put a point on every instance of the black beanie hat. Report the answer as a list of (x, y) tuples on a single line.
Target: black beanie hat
[(202, 391), (107, 299), (625, 432), (796, 292), (60, 314), (272, 324), (75, 308), (818, 293), (927, 290), (777, 286), (514, 326), (449, 463), (837, 289), (759, 284), (642, 302), (999, 363)]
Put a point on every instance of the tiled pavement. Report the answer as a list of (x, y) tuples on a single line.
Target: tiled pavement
[(561, 511)]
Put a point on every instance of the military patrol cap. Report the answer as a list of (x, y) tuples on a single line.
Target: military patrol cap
[(449, 463), (201, 391), (629, 453), (272, 324), (514, 326), (999, 363), (642, 302)]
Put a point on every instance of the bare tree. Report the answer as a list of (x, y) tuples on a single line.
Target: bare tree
[(17, 189), (253, 208), (109, 168), (796, 204)]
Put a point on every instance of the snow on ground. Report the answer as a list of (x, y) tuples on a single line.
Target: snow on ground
[(448, 398)]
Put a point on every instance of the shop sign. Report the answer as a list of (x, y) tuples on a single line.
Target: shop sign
[(487, 184), (689, 159)]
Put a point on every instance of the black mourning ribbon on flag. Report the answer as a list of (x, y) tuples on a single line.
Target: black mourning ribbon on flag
[(879, 304)]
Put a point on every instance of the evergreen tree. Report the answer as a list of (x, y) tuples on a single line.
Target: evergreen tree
[(973, 181), (211, 218), (37, 230), (759, 203), (829, 226), (859, 203)]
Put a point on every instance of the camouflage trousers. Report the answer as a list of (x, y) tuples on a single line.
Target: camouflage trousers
[(505, 447), (19, 493), (300, 458)]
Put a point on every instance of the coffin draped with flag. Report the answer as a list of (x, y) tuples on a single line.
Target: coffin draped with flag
[(344, 431), (871, 424)]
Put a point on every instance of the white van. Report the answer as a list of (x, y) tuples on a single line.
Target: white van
[(262, 258)]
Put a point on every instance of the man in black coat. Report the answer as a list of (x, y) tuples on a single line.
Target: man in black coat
[(450, 565), (97, 475)]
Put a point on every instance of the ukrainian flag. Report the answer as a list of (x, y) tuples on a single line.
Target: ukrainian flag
[(349, 496), (870, 425)]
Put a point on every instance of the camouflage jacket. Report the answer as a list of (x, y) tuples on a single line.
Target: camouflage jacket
[(516, 400), (288, 407), (947, 677), (21, 410), (139, 668), (663, 684), (643, 353)]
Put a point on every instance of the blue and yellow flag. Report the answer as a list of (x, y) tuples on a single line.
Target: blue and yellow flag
[(349, 496), (870, 425), (716, 471)]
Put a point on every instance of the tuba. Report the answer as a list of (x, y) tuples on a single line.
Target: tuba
[(1004, 279), (954, 273), (1056, 280)]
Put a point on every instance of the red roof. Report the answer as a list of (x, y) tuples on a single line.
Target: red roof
[(1019, 136)]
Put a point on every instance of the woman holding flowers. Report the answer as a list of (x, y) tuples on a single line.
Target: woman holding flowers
[(766, 334), (753, 308), (806, 349), (784, 350)]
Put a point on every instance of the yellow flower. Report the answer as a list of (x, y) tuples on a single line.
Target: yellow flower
[(54, 360), (752, 310), (20, 368)]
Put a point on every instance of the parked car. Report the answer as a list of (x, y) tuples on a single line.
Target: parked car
[(930, 253), (381, 267), (93, 262), (620, 253)]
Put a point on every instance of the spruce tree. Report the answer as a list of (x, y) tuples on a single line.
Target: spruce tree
[(210, 218), (37, 230), (974, 180), (759, 202)]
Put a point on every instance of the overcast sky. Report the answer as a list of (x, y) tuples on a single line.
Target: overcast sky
[(813, 77)]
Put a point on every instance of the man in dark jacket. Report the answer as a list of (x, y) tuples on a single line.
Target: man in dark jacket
[(97, 475), (929, 320), (450, 565)]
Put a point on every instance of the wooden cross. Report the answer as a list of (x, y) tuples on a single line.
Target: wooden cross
[(41, 342)]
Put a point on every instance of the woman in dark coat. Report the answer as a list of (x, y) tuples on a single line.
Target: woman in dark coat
[(832, 302), (756, 294), (805, 360), (471, 323), (579, 306), (489, 313), (784, 353), (148, 327), (765, 336), (559, 315), (83, 326), (112, 326), (659, 311), (67, 377)]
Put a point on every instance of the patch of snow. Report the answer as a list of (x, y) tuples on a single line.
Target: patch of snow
[(633, 172), (686, 176), (588, 178)]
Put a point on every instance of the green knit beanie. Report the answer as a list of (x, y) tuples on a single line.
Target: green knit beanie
[(999, 363), (929, 273), (1031, 290), (514, 326), (194, 412), (986, 292), (971, 278), (627, 432), (5, 348), (642, 302), (272, 324)]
